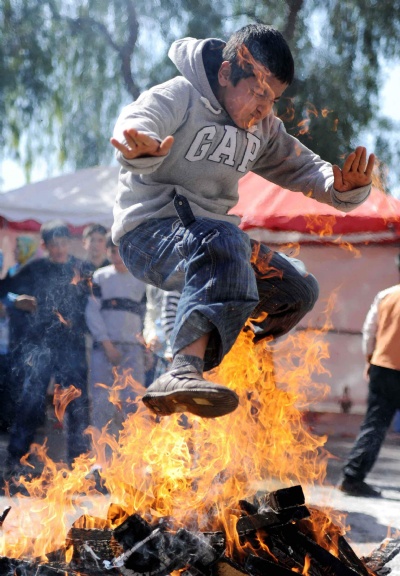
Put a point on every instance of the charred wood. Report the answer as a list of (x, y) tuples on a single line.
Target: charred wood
[(261, 566), (347, 555), (90, 547), (385, 552), (277, 535), (322, 561), (285, 498), (17, 567), (270, 520), (4, 515), (159, 552)]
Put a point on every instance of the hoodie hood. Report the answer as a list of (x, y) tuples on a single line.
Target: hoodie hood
[(187, 55)]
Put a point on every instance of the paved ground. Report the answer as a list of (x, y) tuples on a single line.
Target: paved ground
[(370, 521)]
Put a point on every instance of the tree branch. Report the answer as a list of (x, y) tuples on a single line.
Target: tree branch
[(294, 8), (128, 49), (124, 51)]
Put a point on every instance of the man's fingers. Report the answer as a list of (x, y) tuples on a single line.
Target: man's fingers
[(139, 144), (360, 162), (166, 145), (360, 159), (370, 165), (117, 144), (337, 176), (137, 139), (357, 161), (348, 163)]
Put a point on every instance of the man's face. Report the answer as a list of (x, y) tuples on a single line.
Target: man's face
[(114, 256), (58, 249), (252, 99), (95, 245)]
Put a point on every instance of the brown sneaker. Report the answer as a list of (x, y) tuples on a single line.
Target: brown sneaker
[(185, 390)]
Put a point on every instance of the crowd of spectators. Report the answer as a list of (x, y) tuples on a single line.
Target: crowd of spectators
[(85, 328)]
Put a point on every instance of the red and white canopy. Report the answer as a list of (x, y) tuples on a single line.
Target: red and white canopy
[(88, 195), (266, 206)]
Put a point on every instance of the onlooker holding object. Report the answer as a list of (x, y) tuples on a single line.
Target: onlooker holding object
[(54, 344)]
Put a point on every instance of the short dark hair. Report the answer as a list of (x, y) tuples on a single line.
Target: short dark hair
[(263, 43), (92, 229), (109, 242), (54, 229)]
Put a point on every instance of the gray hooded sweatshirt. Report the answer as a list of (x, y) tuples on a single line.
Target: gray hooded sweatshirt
[(210, 153)]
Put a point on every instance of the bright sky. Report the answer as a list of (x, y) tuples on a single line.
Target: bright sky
[(390, 93), (11, 175), (390, 103)]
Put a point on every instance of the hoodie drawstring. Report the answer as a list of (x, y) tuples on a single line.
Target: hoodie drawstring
[(207, 104)]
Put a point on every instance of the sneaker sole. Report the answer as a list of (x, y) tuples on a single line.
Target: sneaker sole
[(202, 403), (360, 494)]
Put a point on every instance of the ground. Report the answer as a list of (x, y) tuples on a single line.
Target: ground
[(370, 520)]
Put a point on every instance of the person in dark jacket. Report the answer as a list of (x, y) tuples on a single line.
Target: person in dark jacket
[(53, 344)]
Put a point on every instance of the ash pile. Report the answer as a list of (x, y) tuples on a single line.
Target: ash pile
[(276, 535)]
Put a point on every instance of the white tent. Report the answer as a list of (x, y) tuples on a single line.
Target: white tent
[(80, 198)]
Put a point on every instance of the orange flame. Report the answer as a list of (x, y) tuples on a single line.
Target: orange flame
[(345, 245), (321, 225), (304, 125), (61, 318), (263, 267), (77, 277), (291, 249), (288, 115), (311, 111), (261, 73), (194, 470), (62, 397)]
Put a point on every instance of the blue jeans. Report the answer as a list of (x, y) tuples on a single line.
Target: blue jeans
[(68, 366), (224, 278), (383, 401)]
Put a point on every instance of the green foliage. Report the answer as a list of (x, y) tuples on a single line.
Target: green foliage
[(68, 66)]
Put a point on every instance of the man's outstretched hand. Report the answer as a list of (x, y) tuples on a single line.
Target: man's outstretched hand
[(356, 172), (139, 144)]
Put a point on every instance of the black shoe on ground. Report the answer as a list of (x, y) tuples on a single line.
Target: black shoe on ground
[(359, 488), (185, 390)]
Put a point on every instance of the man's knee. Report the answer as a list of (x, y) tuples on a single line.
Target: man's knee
[(285, 305), (311, 292)]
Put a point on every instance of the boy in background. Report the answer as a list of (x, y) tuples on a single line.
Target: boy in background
[(114, 315), (94, 244)]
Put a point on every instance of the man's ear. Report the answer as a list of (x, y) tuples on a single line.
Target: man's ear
[(224, 73)]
